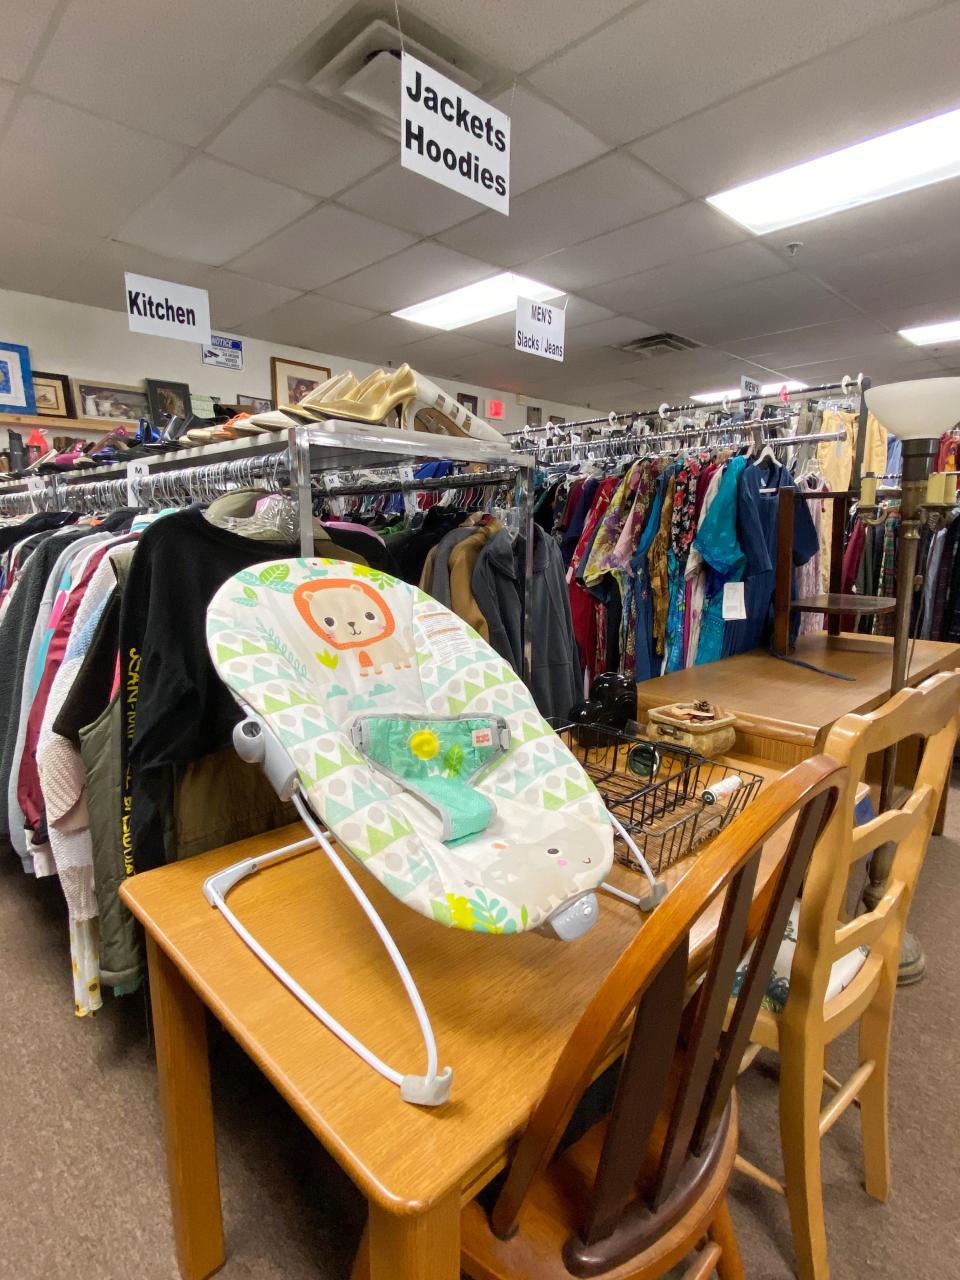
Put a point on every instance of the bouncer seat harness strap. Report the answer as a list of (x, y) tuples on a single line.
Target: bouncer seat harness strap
[(436, 759)]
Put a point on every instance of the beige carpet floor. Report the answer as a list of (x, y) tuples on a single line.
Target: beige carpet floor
[(82, 1189)]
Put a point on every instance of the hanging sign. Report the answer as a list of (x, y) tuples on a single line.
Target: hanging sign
[(223, 352), (750, 389), (540, 328), (453, 137), (167, 310)]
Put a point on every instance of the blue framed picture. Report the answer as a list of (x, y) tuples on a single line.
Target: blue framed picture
[(16, 380)]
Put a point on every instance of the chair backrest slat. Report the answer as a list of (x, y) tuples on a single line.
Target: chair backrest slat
[(679, 1066)]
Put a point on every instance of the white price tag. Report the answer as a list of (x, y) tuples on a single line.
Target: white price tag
[(34, 484), (332, 481), (734, 604), (137, 472)]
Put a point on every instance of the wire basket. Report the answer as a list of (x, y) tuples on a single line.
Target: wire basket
[(662, 794)]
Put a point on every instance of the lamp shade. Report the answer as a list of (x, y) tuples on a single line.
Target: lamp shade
[(920, 409)]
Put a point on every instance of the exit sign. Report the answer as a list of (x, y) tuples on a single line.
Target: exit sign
[(494, 408)]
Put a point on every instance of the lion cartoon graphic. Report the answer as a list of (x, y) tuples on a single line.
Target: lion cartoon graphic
[(346, 615)]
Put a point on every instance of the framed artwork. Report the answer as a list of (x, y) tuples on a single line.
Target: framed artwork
[(291, 380), (257, 403), (469, 402), (534, 415), (110, 400), (16, 380), (53, 396), (167, 399)]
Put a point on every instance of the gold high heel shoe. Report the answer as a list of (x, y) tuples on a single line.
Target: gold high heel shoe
[(418, 403), (339, 386)]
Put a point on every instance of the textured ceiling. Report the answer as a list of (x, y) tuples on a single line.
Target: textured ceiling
[(179, 141)]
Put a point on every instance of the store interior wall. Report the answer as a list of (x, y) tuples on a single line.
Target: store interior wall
[(93, 343)]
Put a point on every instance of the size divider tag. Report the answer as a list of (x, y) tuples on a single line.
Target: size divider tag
[(332, 480), (734, 602), (37, 489), (137, 472), (410, 505)]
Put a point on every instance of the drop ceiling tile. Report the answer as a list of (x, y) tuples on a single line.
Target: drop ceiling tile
[(743, 310), (903, 275), (325, 245), (378, 339), (608, 193), (212, 212), (408, 277), (814, 342), (677, 233), (901, 317), (517, 35), (580, 312), (66, 167), (174, 69), (6, 97), (914, 215), (498, 330), (609, 333), (235, 300), (404, 199), (284, 137), (23, 26), (712, 50), (887, 370), (891, 76), (641, 294), (308, 321), (543, 141), (62, 264)]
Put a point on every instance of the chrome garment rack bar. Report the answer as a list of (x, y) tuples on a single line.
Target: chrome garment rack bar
[(617, 446), (847, 386)]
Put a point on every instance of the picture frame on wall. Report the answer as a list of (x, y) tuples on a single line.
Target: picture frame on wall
[(291, 380), (469, 402), (534, 415), (111, 401), (257, 404), (16, 379), (167, 400), (53, 395)]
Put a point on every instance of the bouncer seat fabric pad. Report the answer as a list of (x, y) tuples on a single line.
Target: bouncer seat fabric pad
[(313, 646)]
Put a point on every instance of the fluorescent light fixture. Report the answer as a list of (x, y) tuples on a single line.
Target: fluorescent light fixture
[(493, 297), (927, 335), (903, 160), (734, 393)]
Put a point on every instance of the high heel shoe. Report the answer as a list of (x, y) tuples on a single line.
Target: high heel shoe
[(367, 403), (340, 386), (418, 402)]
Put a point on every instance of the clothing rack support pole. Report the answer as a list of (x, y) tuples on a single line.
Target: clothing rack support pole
[(783, 590), (857, 475), (528, 533), (836, 559), (298, 445)]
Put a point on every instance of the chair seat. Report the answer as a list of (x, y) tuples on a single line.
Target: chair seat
[(778, 988)]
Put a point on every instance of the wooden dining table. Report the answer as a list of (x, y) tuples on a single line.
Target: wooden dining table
[(501, 1007)]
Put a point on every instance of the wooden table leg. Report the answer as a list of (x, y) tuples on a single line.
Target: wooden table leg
[(421, 1247), (180, 1030)]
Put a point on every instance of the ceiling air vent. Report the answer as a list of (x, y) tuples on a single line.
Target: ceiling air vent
[(364, 77), (657, 344)]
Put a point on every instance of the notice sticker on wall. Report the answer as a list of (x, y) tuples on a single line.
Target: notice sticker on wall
[(453, 137)]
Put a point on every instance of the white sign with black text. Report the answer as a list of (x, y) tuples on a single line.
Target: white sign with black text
[(167, 310), (223, 352), (749, 387), (453, 137), (540, 328)]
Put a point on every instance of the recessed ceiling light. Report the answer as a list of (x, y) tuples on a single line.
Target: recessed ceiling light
[(903, 160), (734, 393), (493, 297), (926, 335)]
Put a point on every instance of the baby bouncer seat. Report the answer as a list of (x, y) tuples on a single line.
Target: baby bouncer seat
[(395, 728)]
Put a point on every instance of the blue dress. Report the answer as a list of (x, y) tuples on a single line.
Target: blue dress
[(716, 541)]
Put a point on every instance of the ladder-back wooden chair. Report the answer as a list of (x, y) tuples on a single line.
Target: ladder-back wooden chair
[(646, 1185), (831, 972)]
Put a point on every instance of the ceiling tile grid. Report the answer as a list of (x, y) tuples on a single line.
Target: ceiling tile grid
[(296, 217)]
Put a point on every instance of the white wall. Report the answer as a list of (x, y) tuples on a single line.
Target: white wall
[(90, 342)]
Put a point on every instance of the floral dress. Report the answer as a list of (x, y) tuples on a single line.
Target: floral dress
[(683, 527)]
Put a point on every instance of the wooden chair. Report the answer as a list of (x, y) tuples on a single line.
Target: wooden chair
[(647, 1184), (830, 973)]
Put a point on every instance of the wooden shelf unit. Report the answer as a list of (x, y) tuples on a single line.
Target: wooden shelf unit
[(839, 603), (17, 420)]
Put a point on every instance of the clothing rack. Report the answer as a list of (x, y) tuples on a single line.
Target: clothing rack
[(616, 446), (847, 385)]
